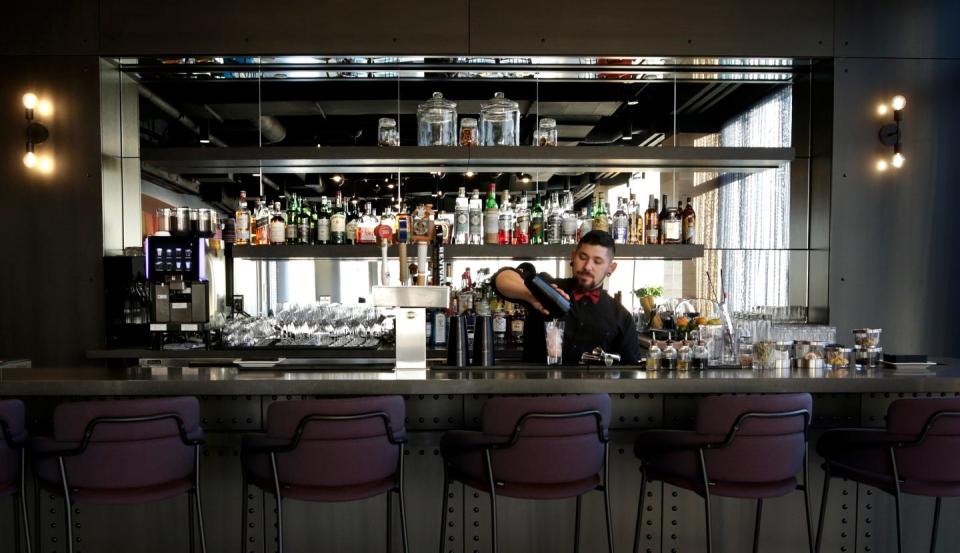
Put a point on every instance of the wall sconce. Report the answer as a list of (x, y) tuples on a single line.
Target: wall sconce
[(36, 133), (890, 134)]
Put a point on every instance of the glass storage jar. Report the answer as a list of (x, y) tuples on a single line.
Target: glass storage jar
[(387, 133), (653, 357), (684, 358), (546, 133), (839, 357), (668, 360), (499, 122), (808, 354), (437, 122), (469, 133), (701, 356), (868, 356), (867, 337)]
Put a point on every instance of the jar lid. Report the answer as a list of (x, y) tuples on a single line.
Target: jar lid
[(548, 123), (809, 343), (437, 102), (867, 330), (499, 104), (388, 122), (784, 343), (468, 122)]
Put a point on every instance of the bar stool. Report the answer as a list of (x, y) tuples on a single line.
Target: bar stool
[(518, 450), (123, 452), (13, 465), (329, 450), (917, 454), (747, 447)]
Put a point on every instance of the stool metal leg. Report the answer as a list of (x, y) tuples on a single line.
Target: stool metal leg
[(389, 521), (576, 526), (936, 525), (643, 495), (493, 500), (896, 499), (606, 496), (190, 522), (806, 497), (279, 498), (443, 510), (706, 500), (823, 506), (23, 500), (197, 499), (404, 537), (67, 507), (16, 521), (756, 526)]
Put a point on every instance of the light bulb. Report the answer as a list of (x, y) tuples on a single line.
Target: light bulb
[(898, 102), (469, 174), (30, 159), (881, 165), (337, 178), (882, 109), (30, 100), (45, 164), (898, 160), (44, 108)]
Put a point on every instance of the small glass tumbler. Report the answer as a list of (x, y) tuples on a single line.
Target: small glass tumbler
[(554, 341)]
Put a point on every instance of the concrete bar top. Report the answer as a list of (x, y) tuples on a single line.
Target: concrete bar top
[(506, 379)]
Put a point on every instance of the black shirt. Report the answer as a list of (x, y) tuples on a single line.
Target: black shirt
[(606, 324)]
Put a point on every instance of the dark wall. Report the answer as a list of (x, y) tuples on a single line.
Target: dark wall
[(51, 288)]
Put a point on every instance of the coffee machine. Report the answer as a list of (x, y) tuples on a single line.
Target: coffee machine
[(179, 289)]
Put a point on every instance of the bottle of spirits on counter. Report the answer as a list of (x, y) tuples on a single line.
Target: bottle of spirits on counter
[(569, 223), (620, 224), (338, 221), (521, 233), (461, 218), (263, 223), (516, 325), (303, 224), (291, 229), (651, 223), (499, 325), (505, 220), (476, 217), (671, 227), (352, 209), (600, 220), (634, 221), (242, 220), (585, 224), (491, 217), (366, 230), (323, 221), (554, 220), (536, 221), (689, 224), (277, 226)]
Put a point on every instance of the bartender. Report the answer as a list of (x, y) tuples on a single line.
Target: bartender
[(594, 320)]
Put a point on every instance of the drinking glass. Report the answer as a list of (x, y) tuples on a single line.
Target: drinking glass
[(554, 339)]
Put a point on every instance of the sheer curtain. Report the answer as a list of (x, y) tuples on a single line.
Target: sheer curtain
[(744, 221)]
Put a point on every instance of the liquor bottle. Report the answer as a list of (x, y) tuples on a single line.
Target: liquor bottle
[(303, 224), (620, 224), (516, 325), (585, 223), (499, 325), (262, 223), (461, 218), (323, 221), (634, 221), (671, 226), (366, 229), (600, 220), (536, 221), (338, 221), (664, 207), (568, 219), (475, 211), (554, 221), (651, 223), (505, 220), (277, 226), (521, 234), (689, 224), (242, 220), (352, 209), (491, 217), (291, 229)]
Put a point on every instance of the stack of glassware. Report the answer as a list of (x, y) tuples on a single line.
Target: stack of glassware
[(329, 325)]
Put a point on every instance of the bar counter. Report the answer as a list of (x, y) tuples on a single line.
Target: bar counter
[(505, 379)]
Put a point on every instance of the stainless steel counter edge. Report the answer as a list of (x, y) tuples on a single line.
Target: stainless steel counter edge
[(233, 381)]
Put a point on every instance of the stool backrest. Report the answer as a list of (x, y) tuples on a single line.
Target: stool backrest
[(12, 423), (765, 436), (334, 449), (933, 424), (548, 450), (120, 454)]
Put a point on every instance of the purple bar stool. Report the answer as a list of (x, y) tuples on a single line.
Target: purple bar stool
[(748, 447), (518, 450), (917, 454), (13, 465), (329, 450), (123, 452)]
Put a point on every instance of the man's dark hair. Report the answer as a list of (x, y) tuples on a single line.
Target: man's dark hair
[(599, 238)]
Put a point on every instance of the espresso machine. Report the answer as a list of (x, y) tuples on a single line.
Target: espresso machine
[(179, 289)]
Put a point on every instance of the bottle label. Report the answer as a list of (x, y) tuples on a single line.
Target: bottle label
[(462, 224), (277, 235), (476, 222), (690, 231), (338, 222), (600, 223), (516, 326), (653, 235), (569, 226), (291, 231), (671, 230), (352, 230), (536, 227), (367, 235), (499, 323), (440, 329), (491, 225), (323, 230)]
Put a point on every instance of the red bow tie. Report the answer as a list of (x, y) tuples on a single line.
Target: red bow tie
[(594, 295)]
